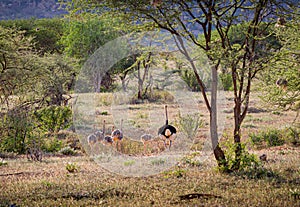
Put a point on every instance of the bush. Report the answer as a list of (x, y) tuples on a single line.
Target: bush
[(292, 135), (178, 173), (191, 159), (16, 129), (72, 167), (189, 77), (226, 80), (68, 151), (273, 137), (248, 161), (104, 99), (159, 161), (156, 96), (52, 145), (189, 124), (267, 138), (54, 118), (3, 162)]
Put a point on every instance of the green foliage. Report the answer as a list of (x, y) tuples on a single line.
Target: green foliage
[(267, 138), (104, 113), (226, 80), (68, 151), (178, 173), (57, 78), (159, 161), (22, 65), (191, 159), (189, 124), (16, 130), (84, 35), (292, 135), (273, 138), (72, 167), (247, 161), (19, 130), (258, 172), (285, 66), (2, 162), (18, 61), (45, 33), (295, 193), (160, 96), (104, 99), (54, 118), (129, 163), (47, 184), (52, 145), (189, 77)]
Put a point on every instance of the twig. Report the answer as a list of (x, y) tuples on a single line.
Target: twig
[(8, 174), (197, 195)]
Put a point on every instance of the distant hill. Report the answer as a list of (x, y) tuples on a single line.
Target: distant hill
[(24, 9)]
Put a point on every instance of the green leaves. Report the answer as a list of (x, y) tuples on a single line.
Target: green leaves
[(283, 66), (54, 118)]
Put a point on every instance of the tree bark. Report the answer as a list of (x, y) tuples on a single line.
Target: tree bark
[(218, 152), (212, 106), (237, 133)]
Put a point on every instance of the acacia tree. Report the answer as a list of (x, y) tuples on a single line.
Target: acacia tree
[(17, 63), (28, 81), (195, 22), (46, 33), (280, 82)]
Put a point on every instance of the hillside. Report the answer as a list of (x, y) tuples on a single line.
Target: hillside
[(24, 9)]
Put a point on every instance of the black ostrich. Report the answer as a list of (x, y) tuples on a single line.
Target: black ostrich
[(117, 136), (167, 132), (107, 138)]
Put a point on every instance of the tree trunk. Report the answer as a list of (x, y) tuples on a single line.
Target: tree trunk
[(237, 134), (97, 83), (218, 152), (212, 106), (140, 81), (140, 89), (123, 80)]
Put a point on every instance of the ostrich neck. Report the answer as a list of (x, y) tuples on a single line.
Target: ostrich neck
[(167, 122)]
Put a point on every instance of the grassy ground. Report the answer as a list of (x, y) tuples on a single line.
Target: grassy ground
[(49, 183)]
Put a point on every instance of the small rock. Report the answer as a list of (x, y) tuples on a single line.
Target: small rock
[(263, 157)]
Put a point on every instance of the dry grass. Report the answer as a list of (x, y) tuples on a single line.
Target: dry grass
[(48, 183)]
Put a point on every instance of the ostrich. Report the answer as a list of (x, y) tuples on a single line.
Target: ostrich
[(117, 135), (91, 139), (100, 134), (167, 132), (107, 139)]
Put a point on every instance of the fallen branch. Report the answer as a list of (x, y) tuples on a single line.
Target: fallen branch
[(197, 195), (8, 174)]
